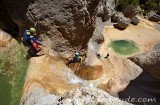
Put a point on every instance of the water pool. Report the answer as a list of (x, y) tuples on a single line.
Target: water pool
[(123, 47)]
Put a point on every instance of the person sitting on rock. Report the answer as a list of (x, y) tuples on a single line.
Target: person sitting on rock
[(28, 39), (75, 59)]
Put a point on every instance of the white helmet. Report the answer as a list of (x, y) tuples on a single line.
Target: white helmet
[(76, 53), (33, 30)]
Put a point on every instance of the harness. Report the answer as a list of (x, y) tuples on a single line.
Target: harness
[(80, 58)]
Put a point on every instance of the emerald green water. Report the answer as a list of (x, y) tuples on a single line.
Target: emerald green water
[(123, 47), (5, 90), (13, 65)]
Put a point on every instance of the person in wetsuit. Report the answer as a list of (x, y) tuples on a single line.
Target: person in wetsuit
[(28, 39)]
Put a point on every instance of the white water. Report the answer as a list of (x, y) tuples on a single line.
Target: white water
[(91, 55), (68, 75)]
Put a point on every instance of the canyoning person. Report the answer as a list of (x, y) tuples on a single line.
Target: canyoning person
[(107, 56), (100, 57), (28, 39), (35, 45), (75, 59)]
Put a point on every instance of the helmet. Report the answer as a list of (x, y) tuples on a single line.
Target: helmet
[(76, 53), (33, 30)]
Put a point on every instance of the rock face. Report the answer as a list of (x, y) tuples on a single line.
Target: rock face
[(106, 9), (144, 86), (6, 23), (149, 61), (148, 83), (17, 11), (78, 96), (118, 81), (153, 16), (68, 22), (123, 22)]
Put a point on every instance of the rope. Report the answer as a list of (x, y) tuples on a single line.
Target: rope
[(35, 24)]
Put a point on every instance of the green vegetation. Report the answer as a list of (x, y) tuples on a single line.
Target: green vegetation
[(151, 4), (147, 5), (121, 4), (13, 66)]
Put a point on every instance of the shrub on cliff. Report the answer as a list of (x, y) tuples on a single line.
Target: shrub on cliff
[(121, 4), (147, 5)]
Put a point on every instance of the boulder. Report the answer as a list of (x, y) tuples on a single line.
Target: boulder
[(153, 16), (99, 39), (149, 61), (135, 20), (100, 11), (123, 22), (106, 14), (130, 11), (108, 9), (116, 16)]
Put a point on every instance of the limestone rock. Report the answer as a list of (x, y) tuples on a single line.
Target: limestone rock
[(100, 40), (119, 81), (91, 96), (135, 20), (69, 21), (123, 22), (130, 11), (116, 16), (78, 96), (5, 39), (106, 9), (106, 14), (153, 16), (98, 37), (100, 11), (149, 61), (38, 96)]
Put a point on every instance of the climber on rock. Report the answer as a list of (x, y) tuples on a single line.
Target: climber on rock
[(28, 39), (75, 59)]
